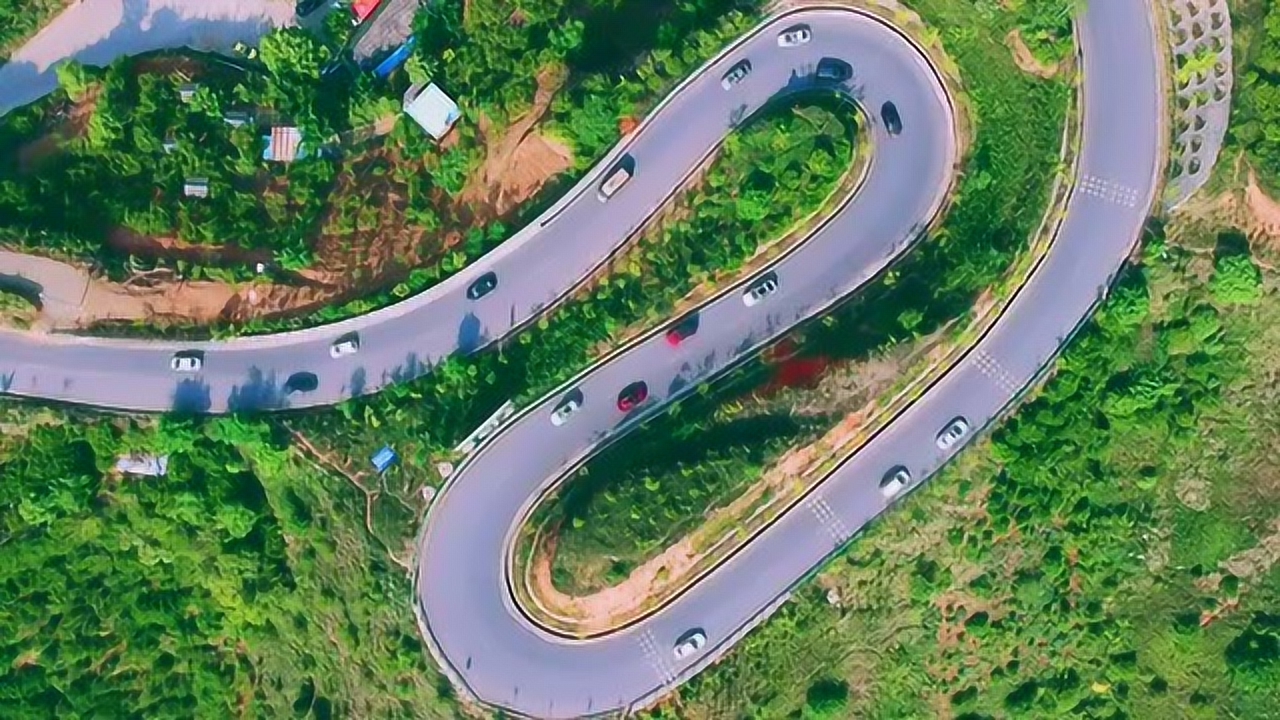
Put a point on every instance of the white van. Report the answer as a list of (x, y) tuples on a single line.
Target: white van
[(614, 182)]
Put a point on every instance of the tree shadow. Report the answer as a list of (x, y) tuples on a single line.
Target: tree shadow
[(191, 397), (412, 368), (358, 384), (471, 334), (261, 392)]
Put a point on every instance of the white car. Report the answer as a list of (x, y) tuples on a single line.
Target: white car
[(952, 433), (345, 345), (187, 362), (567, 407), (736, 74), (690, 643), (614, 183), (760, 289), (793, 36), (893, 481)]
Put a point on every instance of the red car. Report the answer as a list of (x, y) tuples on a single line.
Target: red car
[(632, 395), (682, 330)]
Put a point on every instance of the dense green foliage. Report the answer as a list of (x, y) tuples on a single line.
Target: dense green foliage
[(241, 584), (1045, 25), (637, 497), (1256, 105), (1079, 565), (120, 174)]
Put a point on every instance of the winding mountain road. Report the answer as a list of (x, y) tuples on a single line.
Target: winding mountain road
[(469, 617)]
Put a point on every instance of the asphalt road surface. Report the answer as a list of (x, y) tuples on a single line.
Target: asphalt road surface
[(95, 32), (503, 659), (472, 624)]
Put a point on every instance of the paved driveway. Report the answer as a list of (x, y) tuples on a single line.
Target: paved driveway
[(96, 32)]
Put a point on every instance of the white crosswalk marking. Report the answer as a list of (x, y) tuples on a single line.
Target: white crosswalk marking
[(656, 658), (829, 521), (1108, 190), (990, 367)]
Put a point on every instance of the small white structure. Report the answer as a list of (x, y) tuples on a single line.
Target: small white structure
[(431, 108), (143, 465), (196, 187), (284, 144)]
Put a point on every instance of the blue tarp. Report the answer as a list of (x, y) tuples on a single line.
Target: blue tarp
[(384, 458), (395, 59)]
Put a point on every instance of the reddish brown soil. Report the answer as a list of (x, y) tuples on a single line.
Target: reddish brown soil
[(31, 155)]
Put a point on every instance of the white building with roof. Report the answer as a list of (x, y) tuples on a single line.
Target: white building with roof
[(431, 108)]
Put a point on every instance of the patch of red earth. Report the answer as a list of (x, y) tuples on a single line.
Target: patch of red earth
[(125, 240), (73, 124), (791, 369), (627, 124)]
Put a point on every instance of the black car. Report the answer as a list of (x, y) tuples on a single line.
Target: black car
[(301, 382), (483, 285), (306, 7), (834, 70), (892, 121)]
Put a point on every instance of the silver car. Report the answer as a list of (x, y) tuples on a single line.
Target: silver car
[(794, 35), (953, 433), (894, 481), (736, 74), (760, 289), (690, 643), (188, 361), (348, 344)]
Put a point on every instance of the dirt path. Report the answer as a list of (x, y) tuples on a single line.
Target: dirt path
[(74, 125), (1025, 59), (1263, 209), (519, 162)]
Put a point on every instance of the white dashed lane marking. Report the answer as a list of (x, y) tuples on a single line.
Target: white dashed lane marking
[(990, 367), (656, 658), (1108, 190), (829, 521)]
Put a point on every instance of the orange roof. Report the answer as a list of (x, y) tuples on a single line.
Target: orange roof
[(364, 8)]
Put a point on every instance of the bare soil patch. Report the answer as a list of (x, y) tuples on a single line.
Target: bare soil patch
[(518, 162), (74, 122), (1025, 59), (125, 240), (1263, 210)]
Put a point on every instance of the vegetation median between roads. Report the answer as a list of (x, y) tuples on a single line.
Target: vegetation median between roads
[(635, 505), (1111, 550)]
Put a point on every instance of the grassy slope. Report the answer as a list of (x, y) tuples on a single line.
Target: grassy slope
[(1063, 567)]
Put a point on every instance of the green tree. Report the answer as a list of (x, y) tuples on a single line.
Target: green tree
[(1236, 280)]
